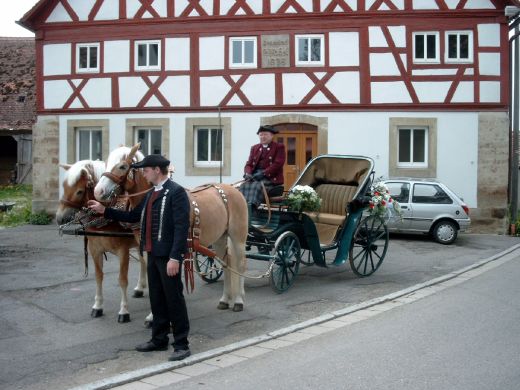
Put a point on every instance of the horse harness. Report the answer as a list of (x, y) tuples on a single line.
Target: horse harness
[(194, 232)]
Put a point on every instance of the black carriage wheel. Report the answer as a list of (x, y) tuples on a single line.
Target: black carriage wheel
[(208, 269), (369, 245), (287, 257)]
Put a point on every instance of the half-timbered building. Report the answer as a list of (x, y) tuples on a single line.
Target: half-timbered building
[(421, 86)]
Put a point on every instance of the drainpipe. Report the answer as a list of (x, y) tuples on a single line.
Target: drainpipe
[(514, 119)]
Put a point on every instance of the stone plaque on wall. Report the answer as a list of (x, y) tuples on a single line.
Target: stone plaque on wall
[(275, 51)]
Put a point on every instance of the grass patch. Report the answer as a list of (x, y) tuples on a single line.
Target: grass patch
[(21, 213)]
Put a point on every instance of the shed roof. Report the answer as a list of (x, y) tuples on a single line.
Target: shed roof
[(17, 83)]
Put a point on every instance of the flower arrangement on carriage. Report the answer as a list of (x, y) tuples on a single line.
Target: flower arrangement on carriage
[(303, 198), (381, 202)]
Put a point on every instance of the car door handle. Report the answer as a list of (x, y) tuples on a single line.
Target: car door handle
[(404, 207)]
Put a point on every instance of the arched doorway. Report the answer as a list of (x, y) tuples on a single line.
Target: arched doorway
[(301, 145)]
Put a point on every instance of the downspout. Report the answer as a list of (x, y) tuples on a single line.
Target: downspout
[(514, 121)]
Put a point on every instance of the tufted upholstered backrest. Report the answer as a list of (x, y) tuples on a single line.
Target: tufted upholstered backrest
[(334, 197)]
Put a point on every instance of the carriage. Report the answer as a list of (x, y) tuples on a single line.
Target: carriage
[(286, 238)]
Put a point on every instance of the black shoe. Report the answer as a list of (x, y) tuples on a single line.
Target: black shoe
[(179, 354), (150, 346)]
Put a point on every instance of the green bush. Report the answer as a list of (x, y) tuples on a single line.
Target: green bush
[(21, 213), (40, 218)]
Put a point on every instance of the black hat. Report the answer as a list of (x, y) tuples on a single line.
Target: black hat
[(153, 160), (268, 128)]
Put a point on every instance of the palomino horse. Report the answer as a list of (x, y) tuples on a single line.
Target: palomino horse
[(222, 212), (78, 188)]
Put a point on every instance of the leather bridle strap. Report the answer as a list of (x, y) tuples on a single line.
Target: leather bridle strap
[(119, 180)]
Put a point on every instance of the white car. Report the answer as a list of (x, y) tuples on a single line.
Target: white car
[(428, 206)]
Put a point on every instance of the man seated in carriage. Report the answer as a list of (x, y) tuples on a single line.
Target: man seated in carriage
[(264, 166)]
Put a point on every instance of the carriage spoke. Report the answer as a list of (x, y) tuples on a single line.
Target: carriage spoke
[(370, 243)]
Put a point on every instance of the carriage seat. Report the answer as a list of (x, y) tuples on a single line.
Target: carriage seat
[(332, 213)]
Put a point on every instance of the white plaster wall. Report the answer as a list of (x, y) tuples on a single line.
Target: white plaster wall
[(82, 7), (98, 93), (390, 92), (177, 53), (344, 49), (383, 7), (351, 3), (109, 10), (117, 56), (376, 37), (489, 35), (465, 93), (255, 5), (348, 133), (383, 64), (431, 92), (131, 91), (58, 14), (425, 4), (180, 6), (55, 93), (305, 4), (295, 87), (176, 89), (345, 86), (213, 90), (490, 91), (211, 53), (260, 89), (56, 59), (489, 64), (479, 4), (398, 34)]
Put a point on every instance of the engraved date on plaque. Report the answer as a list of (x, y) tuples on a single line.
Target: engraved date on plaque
[(275, 51)]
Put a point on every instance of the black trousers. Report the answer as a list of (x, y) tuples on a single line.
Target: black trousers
[(168, 304)]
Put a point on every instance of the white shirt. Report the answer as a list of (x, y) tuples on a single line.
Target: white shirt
[(159, 186)]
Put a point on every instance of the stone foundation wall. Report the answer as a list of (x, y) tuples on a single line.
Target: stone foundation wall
[(45, 164), (493, 167)]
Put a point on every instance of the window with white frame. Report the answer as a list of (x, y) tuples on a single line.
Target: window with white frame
[(207, 146), (242, 53), (459, 46), (426, 47), (147, 55), (310, 49), (87, 57), (88, 143), (150, 139), (412, 147)]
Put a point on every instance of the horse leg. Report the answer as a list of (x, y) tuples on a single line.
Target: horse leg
[(220, 249), (141, 283), (97, 256), (124, 259), (236, 260)]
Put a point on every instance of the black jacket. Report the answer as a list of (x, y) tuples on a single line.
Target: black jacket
[(169, 237)]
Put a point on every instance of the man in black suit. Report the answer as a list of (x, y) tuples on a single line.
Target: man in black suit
[(165, 220)]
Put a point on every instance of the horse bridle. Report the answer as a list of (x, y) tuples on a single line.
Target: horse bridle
[(89, 193), (119, 181)]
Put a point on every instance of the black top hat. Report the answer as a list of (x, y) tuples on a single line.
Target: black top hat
[(268, 128), (153, 160)]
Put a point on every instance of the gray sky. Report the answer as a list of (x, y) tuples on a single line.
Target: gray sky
[(14, 10)]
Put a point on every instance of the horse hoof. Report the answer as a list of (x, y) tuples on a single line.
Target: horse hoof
[(95, 313), (138, 294), (238, 307), (148, 324), (123, 318), (223, 306)]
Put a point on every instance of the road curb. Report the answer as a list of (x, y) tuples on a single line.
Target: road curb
[(132, 376)]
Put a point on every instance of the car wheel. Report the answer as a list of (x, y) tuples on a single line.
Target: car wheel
[(445, 232)]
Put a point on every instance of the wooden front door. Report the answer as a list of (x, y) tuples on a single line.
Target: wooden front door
[(300, 142)]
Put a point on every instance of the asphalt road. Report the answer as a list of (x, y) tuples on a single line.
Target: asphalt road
[(49, 340), (464, 337)]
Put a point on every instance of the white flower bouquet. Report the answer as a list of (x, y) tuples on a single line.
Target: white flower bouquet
[(303, 198), (381, 203)]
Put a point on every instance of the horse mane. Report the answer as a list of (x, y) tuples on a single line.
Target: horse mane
[(95, 168), (120, 154)]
